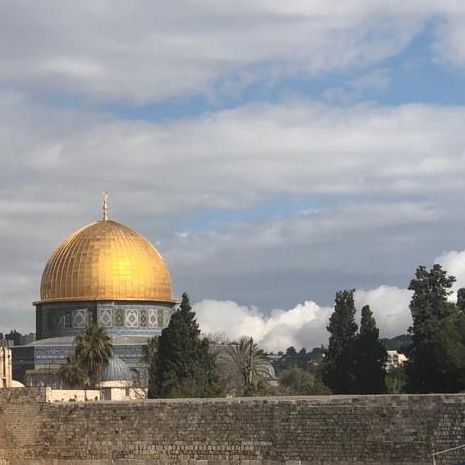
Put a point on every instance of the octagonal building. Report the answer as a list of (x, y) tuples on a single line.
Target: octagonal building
[(107, 274)]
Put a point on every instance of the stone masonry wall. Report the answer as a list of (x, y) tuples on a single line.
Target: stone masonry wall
[(332, 430)]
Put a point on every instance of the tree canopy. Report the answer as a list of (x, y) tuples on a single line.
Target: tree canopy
[(338, 367), (369, 356), (434, 321), (183, 365), (300, 382), (93, 351), (245, 368)]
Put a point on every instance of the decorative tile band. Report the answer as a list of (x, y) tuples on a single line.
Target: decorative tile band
[(108, 316)]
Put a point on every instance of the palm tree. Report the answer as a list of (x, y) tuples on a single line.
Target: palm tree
[(150, 350), (93, 352), (72, 374), (248, 366)]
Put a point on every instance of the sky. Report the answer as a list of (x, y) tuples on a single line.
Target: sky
[(275, 152)]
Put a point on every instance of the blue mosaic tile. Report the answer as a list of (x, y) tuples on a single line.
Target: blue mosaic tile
[(119, 317), (143, 318)]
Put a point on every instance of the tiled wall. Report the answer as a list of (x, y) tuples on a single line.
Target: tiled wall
[(68, 319)]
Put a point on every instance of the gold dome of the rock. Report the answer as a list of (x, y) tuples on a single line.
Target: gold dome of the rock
[(106, 260)]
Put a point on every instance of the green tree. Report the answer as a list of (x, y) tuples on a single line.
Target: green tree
[(93, 352), (449, 347), (292, 358), (396, 379), (14, 336), (425, 368), (73, 375), (149, 351), (183, 366), (369, 356), (247, 368), (338, 365), (461, 299), (291, 352), (299, 382)]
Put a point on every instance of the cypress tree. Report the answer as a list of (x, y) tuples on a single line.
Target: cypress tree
[(449, 348), (429, 306), (461, 299), (369, 356), (183, 365), (338, 367)]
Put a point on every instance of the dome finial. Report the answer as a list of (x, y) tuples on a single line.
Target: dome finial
[(105, 206)]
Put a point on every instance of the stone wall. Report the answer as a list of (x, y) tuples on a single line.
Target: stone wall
[(72, 395), (333, 430)]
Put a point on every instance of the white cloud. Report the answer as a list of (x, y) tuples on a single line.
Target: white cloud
[(390, 306), (369, 84), (301, 326), (305, 324), (147, 51), (454, 263), (380, 186), (240, 157), (449, 46), (380, 189)]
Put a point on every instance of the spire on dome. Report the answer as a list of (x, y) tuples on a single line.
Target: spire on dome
[(105, 206)]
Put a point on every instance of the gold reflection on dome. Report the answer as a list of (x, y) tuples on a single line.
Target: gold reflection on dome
[(106, 260)]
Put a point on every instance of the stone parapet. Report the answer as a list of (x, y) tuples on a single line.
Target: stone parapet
[(320, 430)]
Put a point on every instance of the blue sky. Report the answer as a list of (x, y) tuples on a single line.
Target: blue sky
[(414, 75), (274, 151)]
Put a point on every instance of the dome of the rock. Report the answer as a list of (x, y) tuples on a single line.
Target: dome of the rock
[(103, 274), (106, 260)]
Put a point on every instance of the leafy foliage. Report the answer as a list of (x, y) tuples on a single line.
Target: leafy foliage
[(297, 381), (369, 356), (183, 366), (461, 299), (338, 367), (449, 348), (93, 350), (16, 337), (399, 343), (150, 350), (395, 380), (301, 359), (427, 368), (73, 375), (245, 368)]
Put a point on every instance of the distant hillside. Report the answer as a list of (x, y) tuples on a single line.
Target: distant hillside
[(397, 342)]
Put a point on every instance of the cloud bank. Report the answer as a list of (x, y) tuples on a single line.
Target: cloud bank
[(368, 192), (145, 52), (261, 193), (305, 324)]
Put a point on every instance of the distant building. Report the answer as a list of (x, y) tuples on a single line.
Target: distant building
[(6, 371), (395, 359), (6, 367)]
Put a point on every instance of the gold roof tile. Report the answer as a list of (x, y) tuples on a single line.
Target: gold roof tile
[(106, 260)]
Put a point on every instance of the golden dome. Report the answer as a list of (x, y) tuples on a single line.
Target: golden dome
[(106, 260)]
